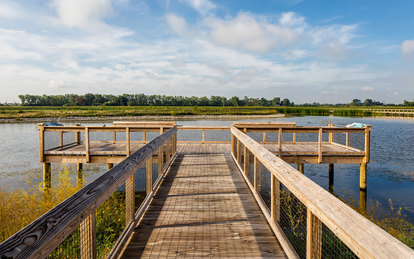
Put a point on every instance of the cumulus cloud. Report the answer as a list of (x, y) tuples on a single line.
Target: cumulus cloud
[(178, 24), (82, 14), (202, 6), (368, 88), (9, 10), (291, 19), (248, 33), (407, 47)]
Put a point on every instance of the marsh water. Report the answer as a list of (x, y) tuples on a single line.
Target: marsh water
[(390, 171)]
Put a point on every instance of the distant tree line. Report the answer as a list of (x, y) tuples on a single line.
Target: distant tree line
[(146, 100), (164, 100)]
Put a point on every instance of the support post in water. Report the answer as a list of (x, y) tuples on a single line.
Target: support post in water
[(331, 177), (363, 176), (363, 202), (79, 170), (47, 175), (301, 168)]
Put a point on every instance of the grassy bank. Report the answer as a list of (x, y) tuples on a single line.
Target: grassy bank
[(23, 112)]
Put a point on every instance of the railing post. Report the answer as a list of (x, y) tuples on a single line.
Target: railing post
[(294, 137), (246, 159), (77, 135), (113, 137), (41, 141), (239, 150), (130, 199), (331, 134), (204, 137), (264, 137), (61, 138), (87, 145), (168, 151), (275, 199), (257, 174), (128, 147), (233, 144), (348, 139), (160, 160), (367, 143), (149, 175), (144, 137), (279, 139), (88, 237), (320, 146), (313, 236)]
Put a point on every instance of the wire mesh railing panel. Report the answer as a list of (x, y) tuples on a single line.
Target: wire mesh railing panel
[(69, 248), (265, 186), (110, 222), (51, 139), (333, 247), (293, 220)]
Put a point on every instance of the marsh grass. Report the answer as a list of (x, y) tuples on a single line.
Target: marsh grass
[(22, 206)]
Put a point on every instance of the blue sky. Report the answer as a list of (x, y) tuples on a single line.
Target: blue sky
[(307, 51)]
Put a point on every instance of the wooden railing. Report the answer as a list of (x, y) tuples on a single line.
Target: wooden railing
[(360, 235), (290, 127), (203, 130), (42, 236)]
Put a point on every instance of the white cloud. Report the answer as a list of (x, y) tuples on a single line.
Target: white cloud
[(246, 32), (178, 24), (56, 84), (82, 14), (291, 19), (407, 47), (202, 6), (368, 88), (9, 10)]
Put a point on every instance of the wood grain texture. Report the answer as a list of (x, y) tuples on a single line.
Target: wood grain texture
[(362, 236), (40, 237), (203, 209)]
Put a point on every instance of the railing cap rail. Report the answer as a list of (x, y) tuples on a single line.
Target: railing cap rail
[(360, 234)]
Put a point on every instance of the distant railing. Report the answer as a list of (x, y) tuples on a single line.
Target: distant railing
[(203, 130), (290, 127), (308, 220), (41, 237)]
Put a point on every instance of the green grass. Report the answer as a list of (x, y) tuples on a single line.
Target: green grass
[(21, 112)]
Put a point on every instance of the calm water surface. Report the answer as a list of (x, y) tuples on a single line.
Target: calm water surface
[(390, 172)]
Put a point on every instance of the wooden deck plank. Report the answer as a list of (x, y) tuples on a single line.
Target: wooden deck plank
[(203, 209)]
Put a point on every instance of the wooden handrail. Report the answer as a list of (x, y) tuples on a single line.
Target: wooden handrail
[(361, 235), (42, 236)]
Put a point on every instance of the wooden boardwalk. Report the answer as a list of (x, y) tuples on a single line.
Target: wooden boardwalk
[(203, 208)]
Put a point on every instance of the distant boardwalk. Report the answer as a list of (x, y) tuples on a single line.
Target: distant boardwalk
[(204, 208)]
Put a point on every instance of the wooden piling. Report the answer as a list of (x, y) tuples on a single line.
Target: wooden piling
[(301, 167), (363, 176), (331, 177), (79, 170), (47, 176)]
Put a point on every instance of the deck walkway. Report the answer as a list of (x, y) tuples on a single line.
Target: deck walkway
[(203, 208)]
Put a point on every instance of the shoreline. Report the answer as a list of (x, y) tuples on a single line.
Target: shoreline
[(140, 118)]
